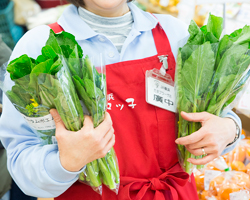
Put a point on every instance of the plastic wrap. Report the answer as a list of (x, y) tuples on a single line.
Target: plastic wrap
[(89, 77), (229, 186), (34, 88), (59, 78), (210, 178), (210, 74), (239, 158), (91, 88)]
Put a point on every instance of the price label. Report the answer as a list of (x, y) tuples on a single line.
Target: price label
[(41, 123)]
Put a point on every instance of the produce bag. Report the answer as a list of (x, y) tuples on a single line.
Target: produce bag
[(239, 158), (54, 80), (91, 88), (36, 86), (229, 186), (210, 75), (89, 77)]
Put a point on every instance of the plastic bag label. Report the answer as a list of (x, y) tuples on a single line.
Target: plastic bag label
[(41, 123), (209, 176), (241, 195), (160, 94)]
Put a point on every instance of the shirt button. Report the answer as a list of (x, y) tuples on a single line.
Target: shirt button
[(111, 54), (101, 39)]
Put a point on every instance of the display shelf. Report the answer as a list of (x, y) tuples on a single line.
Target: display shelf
[(155, 9), (198, 2)]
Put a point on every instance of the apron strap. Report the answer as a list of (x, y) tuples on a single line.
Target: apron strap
[(56, 27), (160, 36)]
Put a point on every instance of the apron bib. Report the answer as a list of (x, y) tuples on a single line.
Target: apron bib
[(145, 135)]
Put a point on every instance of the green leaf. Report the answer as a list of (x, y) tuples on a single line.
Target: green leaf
[(52, 41), (68, 39), (19, 67), (215, 25), (43, 67), (197, 71), (49, 53), (40, 59)]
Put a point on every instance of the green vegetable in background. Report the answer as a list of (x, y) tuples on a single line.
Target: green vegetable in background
[(210, 73)]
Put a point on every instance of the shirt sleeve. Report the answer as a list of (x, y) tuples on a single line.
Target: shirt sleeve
[(35, 168), (232, 115)]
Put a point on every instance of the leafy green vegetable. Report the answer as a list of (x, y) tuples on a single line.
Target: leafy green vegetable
[(58, 78), (210, 73)]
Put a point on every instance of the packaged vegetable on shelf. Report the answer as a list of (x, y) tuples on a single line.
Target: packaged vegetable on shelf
[(89, 77), (210, 75), (54, 80)]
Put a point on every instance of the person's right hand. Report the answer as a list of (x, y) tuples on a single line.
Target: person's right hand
[(76, 149)]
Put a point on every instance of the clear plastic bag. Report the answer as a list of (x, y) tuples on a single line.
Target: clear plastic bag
[(91, 88), (89, 77), (230, 185), (210, 75), (35, 88), (59, 78)]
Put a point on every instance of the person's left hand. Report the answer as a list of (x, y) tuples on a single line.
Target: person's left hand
[(214, 135)]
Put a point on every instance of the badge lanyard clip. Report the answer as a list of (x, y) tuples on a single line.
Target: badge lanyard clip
[(160, 87), (164, 60)]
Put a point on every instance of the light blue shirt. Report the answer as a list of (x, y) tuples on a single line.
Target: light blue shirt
[(36, 168)]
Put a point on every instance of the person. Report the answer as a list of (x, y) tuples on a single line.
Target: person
[(144, 135), (5, 183), (8, 188)]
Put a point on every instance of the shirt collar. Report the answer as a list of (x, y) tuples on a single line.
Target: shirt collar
[(71, 22)]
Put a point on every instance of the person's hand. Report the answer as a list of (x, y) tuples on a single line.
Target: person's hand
[(214, 135), (76, 149)]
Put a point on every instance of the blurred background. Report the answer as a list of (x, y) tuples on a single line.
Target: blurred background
[(19, 16)]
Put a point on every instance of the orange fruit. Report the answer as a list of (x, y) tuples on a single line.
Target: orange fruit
[(238, 166), (248, 169), (243, 132), (204, 195), (215, 184), (211, 166), (242, 180), (199, 180), (238, 154), (248, 153), (226, 189)]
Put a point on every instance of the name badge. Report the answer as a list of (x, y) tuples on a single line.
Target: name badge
[(160, 90)]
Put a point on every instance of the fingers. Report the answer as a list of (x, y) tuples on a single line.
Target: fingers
[(105, 126), (109, 145), (202, 161), (88, 123), (207, 150), (195, 117), (191, 139), (58, 120), (108, 136)]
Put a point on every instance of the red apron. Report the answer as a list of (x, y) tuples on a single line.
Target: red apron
[(145, 135)]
